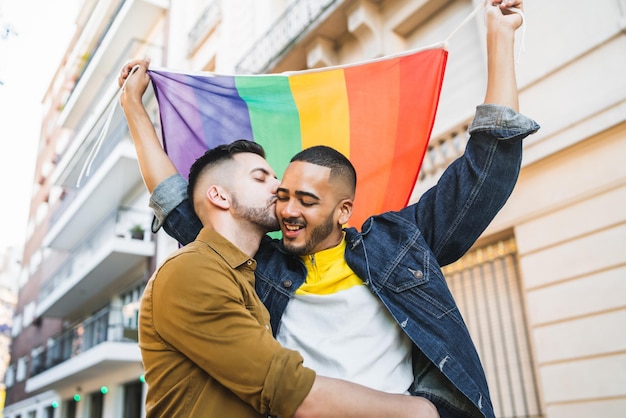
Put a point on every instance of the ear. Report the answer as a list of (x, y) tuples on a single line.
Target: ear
[(345, 211), (218, 197)]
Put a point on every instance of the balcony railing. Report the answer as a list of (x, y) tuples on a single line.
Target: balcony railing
[(117, 224), (298, 17), (106, 98), (205, 23), (82, 337), (442, 150), (86, 58), (115, 135)]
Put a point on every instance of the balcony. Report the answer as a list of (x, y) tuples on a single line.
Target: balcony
[(101, 266), (302, 19), (95, 347), (128, 22), (204, 26), (114, 174), (442, 151), (310, 32)]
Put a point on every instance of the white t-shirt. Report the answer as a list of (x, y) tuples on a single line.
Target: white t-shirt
[(343, 330)]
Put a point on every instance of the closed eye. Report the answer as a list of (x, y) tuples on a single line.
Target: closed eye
[(305, 203)]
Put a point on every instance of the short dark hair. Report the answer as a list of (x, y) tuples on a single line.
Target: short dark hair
[(218, 154), (324, 156)]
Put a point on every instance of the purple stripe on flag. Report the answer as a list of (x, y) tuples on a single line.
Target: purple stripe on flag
[(208, 112)]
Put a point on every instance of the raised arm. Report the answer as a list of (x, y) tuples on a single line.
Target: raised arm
[(501, 26), (473, 189), (154, 163), (168, 189)]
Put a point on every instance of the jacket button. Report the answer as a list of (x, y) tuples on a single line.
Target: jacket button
[(287, 283), (417, 273)]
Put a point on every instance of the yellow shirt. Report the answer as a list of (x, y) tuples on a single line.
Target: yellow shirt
[(328, 272), (206, 341)]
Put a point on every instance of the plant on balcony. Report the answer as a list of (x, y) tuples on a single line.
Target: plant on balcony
[(137, 232)]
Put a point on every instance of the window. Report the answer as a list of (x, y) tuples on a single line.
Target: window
[(37, 363), (130, 306), (35, 261), (96, 405), (69, 410), (22, 366), (486, 286), (17, 325), (42, 211), (9, 376), (24, 275), (29, 313), (48, 412), (133, 398)]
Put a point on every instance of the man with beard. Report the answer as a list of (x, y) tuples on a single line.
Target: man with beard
[(372, 305), (205, 336)]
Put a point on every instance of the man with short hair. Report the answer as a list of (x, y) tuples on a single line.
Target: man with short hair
[(372, 305)]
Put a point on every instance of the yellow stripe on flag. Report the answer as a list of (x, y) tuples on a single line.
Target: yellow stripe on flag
[(322, 102)]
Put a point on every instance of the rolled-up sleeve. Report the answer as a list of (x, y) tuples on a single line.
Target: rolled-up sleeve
[(165, 197), (173, 211), (502, 122)]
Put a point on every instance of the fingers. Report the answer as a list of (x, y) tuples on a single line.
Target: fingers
[(511, 4), (504, 5), (128, 67), (504, 14)]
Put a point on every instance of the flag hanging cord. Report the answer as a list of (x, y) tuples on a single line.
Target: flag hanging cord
[(105, 128), (477, 9), (98, 144), (464, 22)]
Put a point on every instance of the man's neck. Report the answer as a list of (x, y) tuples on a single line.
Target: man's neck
[(244, 236)]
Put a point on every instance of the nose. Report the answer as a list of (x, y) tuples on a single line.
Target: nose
[(288, 209), (275, 183)]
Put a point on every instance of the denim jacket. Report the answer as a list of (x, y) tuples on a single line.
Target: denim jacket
[(399, 255)]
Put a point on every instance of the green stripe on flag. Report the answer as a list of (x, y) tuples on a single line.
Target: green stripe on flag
[(273, 116)]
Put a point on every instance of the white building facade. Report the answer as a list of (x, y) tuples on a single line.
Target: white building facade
[(543, 291)]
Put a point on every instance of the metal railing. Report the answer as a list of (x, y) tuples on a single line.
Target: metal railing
[(206, 22), (296, 19), (80, 338), (117, 224), (98, 43), (117, 133)]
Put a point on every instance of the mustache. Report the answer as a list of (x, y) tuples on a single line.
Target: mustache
[(293, 221)]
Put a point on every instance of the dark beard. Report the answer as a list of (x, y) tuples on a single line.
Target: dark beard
[(264, 217), (318, 234)]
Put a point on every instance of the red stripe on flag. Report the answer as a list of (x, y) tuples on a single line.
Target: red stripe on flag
[(373, 94), (421, 78)]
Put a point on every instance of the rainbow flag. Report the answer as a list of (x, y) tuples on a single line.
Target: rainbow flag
[(379, 114)]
